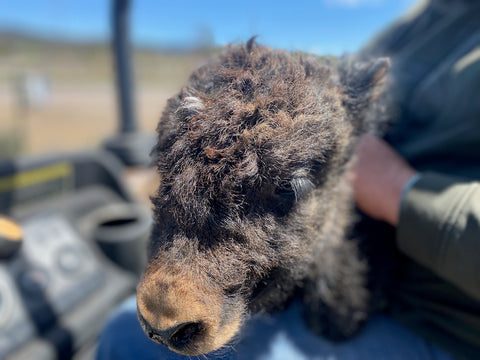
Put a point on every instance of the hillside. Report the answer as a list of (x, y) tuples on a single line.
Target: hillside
[(90, 63)]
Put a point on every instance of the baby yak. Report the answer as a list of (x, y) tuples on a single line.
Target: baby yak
[(254, 204)]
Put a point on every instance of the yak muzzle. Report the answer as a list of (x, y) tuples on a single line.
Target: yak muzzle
[(184, 313)]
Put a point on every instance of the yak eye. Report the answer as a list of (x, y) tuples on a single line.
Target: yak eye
[(285, 190), (290, 192), (295, 189)]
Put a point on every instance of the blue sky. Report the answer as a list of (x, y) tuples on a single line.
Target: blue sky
[(319, 26)]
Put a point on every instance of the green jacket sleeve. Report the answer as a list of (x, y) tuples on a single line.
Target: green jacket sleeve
[(439, 227)]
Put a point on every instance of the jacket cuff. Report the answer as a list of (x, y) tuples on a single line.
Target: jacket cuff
[(428, 212)]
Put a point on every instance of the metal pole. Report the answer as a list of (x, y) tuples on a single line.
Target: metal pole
[(122, 60), (129, 145)]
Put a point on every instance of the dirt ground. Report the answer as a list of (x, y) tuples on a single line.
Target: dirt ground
[(74, 118)]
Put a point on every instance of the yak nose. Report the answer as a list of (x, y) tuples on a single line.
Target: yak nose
[(185, 312), (176, 337)]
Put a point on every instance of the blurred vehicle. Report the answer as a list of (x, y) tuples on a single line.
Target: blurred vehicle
[(72, 236)]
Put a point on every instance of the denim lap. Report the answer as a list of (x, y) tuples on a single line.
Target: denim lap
[(281, 336)]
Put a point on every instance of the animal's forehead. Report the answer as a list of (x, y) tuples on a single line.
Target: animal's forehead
[(251, 99), (247, 119)]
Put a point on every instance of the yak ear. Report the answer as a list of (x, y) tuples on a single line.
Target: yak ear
[(362, 83)]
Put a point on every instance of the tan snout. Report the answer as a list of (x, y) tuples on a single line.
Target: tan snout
[(185, 313)]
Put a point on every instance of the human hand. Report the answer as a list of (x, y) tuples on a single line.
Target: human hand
[(378, 177)]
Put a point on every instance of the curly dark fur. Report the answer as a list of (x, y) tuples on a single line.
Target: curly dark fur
[(253, 200)]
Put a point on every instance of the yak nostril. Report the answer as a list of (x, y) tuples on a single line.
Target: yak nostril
[(155, 336), (184, 334)]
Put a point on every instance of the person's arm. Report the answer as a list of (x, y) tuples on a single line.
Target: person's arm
[(439, 227), (437, 218)]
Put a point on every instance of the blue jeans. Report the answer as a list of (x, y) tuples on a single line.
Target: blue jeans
[(281, 336)]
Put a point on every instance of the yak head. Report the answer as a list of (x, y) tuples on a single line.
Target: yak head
[(251, 155)]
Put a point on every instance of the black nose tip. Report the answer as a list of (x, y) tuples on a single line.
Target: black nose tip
[(184, 334), (176, 337)]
